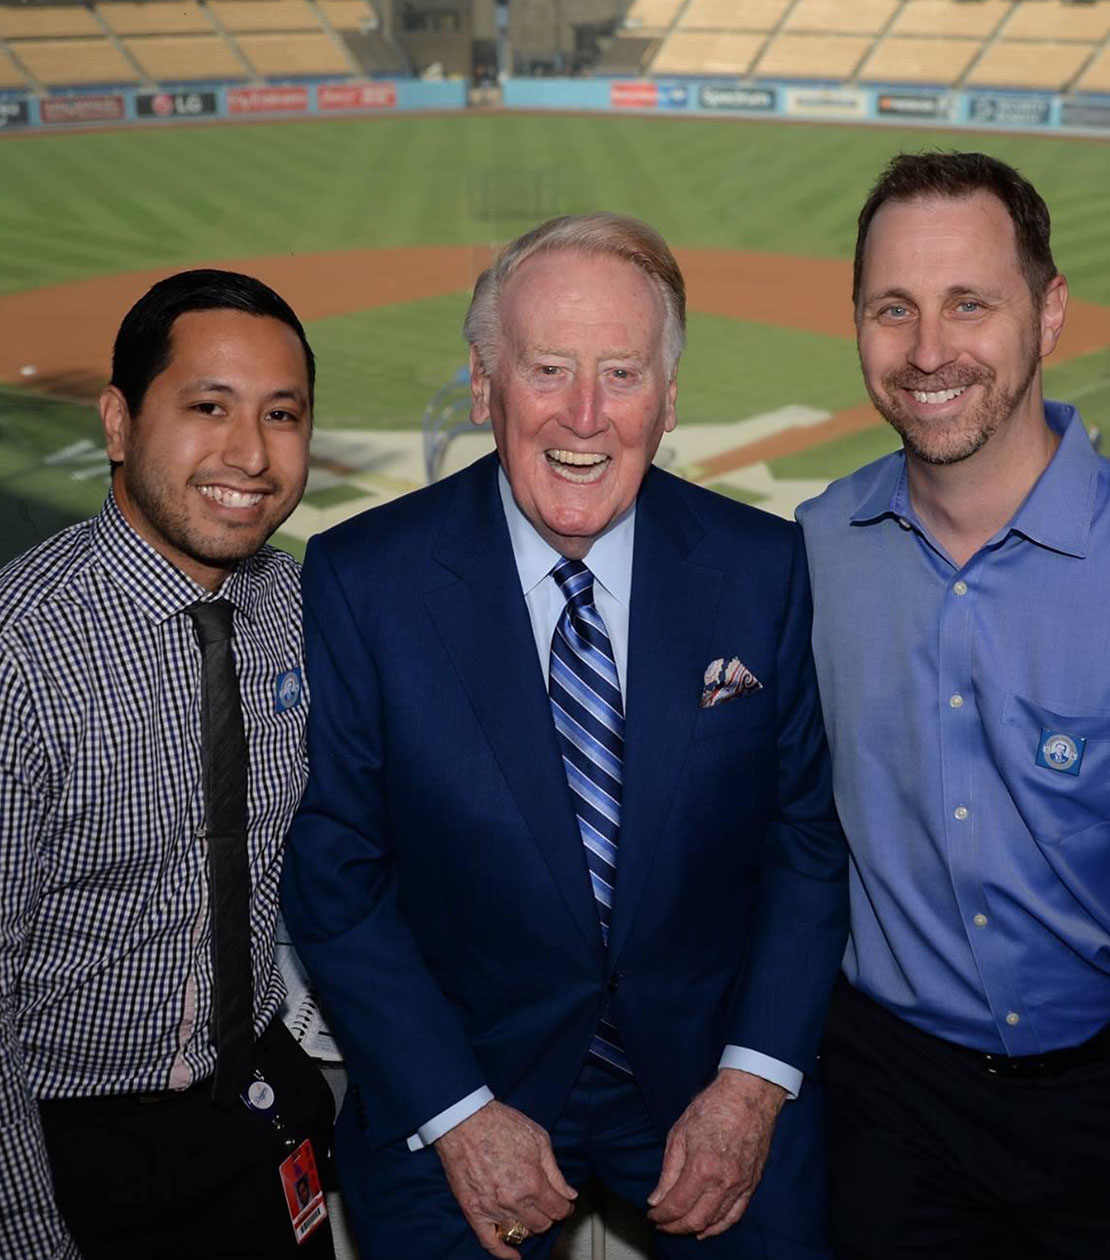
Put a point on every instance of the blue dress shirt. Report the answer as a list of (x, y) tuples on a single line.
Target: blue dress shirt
[(968, 713)]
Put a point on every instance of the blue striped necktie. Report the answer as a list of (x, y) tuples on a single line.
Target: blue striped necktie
[(586, 704)]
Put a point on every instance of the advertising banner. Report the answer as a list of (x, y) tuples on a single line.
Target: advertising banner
[(1085, 114), (175, 104), (718, 96), (356, 96), (673, 95), (267, 100), (1010, 111), (14, 114), (81, 109), (914, 104), (826, 102), (624, 94)]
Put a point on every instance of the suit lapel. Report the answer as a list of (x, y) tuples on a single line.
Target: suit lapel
[(674, 608), (483, 621)]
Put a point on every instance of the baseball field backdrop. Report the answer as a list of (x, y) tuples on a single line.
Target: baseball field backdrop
[(375, 229)]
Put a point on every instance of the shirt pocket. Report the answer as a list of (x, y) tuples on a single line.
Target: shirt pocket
[(1053, 803)]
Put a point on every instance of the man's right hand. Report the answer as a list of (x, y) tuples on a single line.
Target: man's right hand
[(501, 1168)]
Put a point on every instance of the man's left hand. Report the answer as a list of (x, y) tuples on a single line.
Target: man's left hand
[(715, 1155)]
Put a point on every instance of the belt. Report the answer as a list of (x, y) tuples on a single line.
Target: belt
[(1049, 1063)]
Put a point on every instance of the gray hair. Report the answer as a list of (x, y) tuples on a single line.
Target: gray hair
[(600, 233)]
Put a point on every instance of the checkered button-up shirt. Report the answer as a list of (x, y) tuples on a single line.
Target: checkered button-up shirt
[(105, 975)]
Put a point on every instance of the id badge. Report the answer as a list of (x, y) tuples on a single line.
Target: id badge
[(304, 1196)]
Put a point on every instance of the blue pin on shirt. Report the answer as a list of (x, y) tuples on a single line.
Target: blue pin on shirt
[(288, 689), (1060, 752)]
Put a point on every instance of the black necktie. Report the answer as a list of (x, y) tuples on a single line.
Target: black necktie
[(224, 763)]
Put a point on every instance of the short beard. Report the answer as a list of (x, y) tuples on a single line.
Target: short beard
[(936, 446)]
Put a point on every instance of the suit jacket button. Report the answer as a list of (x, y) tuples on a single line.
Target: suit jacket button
[(614, 982)]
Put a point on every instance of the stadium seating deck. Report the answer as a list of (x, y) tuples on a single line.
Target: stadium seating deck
[(10, 74), (265, 15), (181, 18), (911, 59), (1096, 78), (1052, 20), (67, 61), (44, 21), (727, 15), (184, 58), (810, 56), (652, 15), (844, 17), (274, 55), (348, 15), (1051, 67), (942, 17), (690, 52)]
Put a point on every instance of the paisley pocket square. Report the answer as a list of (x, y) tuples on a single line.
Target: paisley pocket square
[(725, 681)]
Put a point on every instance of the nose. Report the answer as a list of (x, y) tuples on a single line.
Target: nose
[(932, 347), (585, 412), (245, 445)]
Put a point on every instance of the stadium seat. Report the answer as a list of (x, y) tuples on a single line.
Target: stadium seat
[(265, 15), (181, 18), (185, 58), (942, 17), (274, 55), (57, 62), (10, 74), (1058, 22), (859, 17), (1050, 67), (727, 15), (937, 62), (1096, 78), (44, 21), (349, 15), (690, 52), (808, 56)]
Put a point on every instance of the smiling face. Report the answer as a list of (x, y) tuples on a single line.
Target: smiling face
[(217, 456), (950, 339), (579, 399)]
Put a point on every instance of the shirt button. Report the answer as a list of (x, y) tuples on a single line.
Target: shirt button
[(904, 523), (956, 701), (1013, 1018), (980, 920), (960, 587), (960, 812)]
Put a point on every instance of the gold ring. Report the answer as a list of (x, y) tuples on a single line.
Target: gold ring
[(513, 1233)]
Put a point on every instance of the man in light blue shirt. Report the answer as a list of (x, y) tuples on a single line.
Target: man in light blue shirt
[(962, 605)]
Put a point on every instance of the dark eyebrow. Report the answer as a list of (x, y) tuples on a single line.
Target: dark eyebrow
[(221, 387)]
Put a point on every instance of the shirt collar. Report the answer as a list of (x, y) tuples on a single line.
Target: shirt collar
[(1057, 512), (158, 588), (609, 559)]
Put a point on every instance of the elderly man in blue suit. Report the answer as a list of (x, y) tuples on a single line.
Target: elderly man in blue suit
[(567, 872)]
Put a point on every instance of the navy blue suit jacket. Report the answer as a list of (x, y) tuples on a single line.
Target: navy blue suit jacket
[(435, 882)]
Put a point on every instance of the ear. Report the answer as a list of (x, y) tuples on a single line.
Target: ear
[(479, 390), (116, 420), (1053, 309), (670, 415)]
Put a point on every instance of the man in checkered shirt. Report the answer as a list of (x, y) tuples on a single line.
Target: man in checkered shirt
[(111, 1143)]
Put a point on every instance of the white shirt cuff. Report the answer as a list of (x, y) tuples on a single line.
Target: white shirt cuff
[(773, 1070), (437, 1126)]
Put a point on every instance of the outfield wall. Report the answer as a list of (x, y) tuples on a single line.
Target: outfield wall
[(1006, 110)]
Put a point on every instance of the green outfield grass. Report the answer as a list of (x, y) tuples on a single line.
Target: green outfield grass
[(92, 204)]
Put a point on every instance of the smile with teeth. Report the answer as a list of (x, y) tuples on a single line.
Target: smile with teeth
[(225, 496), (938, 395), (581, 466)]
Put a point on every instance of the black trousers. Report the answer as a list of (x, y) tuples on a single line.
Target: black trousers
[(177, 1178), (932, 1156)]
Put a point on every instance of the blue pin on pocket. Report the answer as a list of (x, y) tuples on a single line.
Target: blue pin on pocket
[(1060, 752), (287, 690)]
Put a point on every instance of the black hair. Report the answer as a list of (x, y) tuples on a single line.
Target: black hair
[(143, 344)]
